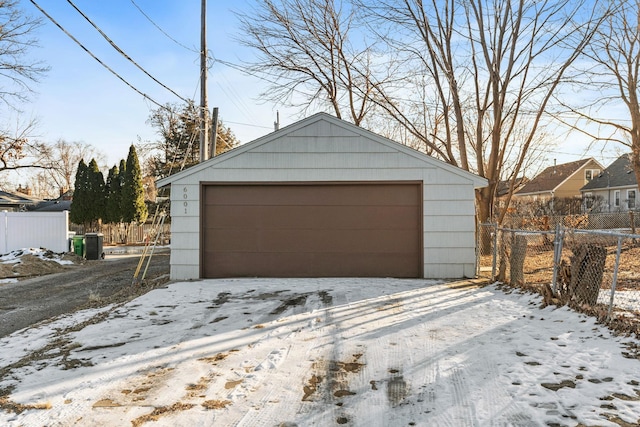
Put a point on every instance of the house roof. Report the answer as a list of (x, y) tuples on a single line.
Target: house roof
[(9, 199), (617, 174), (478, 181), (503, 186), (554, 176), (53, 206)]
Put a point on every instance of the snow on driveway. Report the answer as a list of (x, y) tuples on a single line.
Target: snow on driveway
[(321, 352)]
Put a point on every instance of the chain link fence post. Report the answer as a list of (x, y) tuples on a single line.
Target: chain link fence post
[(614, 281), (557, 256), (494, 259)]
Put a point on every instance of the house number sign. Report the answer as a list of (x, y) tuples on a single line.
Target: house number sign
[(185, 196)]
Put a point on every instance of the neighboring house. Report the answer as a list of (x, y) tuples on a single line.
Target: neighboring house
[(613, 190), (560, 181), (62, 203), (322, 198), (502, 191), (15, 202), (57, 205)]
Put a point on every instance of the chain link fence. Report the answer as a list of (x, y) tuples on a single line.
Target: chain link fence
[(626, 222), (594, 271)]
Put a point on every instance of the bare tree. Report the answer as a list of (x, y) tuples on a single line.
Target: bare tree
[(308, 54), (19, 150), (63, 159), (492, 67), (17, 71), (612, 74)]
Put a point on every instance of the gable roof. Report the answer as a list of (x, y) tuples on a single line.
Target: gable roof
[(478, 181), (617, 174), (9, 199), (554, 176)]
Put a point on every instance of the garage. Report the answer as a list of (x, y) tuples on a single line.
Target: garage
[(322, 198), (312, 230)]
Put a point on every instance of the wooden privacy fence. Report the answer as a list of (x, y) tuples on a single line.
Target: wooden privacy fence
[(115, 234)]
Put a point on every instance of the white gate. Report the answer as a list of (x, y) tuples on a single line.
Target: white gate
[(49, 230)]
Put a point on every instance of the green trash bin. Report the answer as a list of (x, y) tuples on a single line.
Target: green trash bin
[(78, 245)]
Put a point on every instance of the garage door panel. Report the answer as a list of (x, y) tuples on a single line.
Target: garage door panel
[(306, 230), (312, 217), (257, 264), (321, 241), (310, 195)]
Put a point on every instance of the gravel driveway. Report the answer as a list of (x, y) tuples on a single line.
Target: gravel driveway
[(92, 284)]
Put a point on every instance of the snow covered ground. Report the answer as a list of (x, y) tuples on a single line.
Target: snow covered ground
[(321, 352), (18, 256)]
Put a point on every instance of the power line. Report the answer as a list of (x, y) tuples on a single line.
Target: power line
[(162, 31), (247, 124), (121, 52), (246, 73), (241, 107), (95, 57), (232, 94)]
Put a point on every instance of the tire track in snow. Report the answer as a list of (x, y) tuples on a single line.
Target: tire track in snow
[(335, 379), (498, 404), (466, 413), (426, 372), (265, 411), (308, 331), (384, 380), (338, 366)]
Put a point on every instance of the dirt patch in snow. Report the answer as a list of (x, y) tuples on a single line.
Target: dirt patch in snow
[(24, 264), (31, 266)]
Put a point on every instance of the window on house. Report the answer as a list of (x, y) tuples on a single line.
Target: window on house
[(589, 174), (588, 200), (616, 198), (631, 199)]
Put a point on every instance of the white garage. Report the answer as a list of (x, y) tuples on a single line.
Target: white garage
[(322, 198)]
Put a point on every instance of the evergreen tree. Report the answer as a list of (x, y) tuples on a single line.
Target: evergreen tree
[(95, 190), (112, 214), (121, 176), (123, 167), (132, 204), (79, 208)]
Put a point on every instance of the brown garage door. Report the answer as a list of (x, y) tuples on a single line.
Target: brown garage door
[(312, 230)]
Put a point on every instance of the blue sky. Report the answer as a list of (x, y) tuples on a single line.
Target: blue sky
[(79, 100)]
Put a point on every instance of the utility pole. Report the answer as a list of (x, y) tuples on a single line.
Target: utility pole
[(204, 109)]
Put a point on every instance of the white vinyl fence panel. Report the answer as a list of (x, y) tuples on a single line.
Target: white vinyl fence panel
[(49, 230)]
